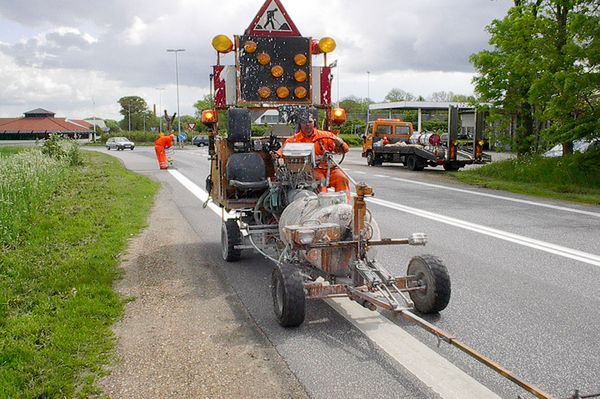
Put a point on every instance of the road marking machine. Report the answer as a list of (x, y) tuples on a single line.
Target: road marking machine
[(322, 245)]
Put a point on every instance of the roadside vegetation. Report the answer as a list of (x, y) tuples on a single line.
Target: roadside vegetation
[(574, 178), (59, 259)]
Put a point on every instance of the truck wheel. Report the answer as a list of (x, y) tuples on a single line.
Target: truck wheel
[(450, 167), (230, 237), (430, 272), (413, 163), (288, 295), (370, 158)]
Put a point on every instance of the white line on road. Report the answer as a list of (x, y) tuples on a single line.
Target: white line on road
[(460, 190), (503, 235), (522, 201), (431, 368), (381, 176)]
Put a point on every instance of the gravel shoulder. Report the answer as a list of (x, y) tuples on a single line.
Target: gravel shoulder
[(185, 333)]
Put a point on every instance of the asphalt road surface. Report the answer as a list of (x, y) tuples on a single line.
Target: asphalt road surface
[(525, 278)]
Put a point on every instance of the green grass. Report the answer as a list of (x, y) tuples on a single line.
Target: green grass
[(57, 302), (10, 150), (572, 178)]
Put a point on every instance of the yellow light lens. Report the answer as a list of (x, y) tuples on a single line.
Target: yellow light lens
[(209, 116), (339, 115), (300, 76), (263, 58), (327, 44), (300, 59), (222, 44), (300, 92), (282, 92), (264, 92), (481, 142), (277, 71), (250, 46)]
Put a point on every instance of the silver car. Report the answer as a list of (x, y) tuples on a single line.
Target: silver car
[(119, 143)]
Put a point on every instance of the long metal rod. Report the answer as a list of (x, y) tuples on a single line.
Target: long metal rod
[(474, 354)]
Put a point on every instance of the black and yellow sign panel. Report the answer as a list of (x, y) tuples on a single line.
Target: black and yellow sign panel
[(274, 70)]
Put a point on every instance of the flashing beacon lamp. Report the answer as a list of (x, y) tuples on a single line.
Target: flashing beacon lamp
[(338, 116), (326, 45), (478, 149), (223, 45), (209, 118)]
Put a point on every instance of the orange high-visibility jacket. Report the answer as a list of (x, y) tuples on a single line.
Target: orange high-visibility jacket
[(164, 141), (328, 145)]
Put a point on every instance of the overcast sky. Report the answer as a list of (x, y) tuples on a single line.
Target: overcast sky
[(75, 57)]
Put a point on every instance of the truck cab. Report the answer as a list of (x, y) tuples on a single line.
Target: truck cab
[(395, 130)]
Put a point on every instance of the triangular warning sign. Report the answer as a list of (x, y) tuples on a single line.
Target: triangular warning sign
[(272, 20)]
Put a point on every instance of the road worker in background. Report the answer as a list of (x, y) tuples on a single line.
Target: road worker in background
[(160, 145)]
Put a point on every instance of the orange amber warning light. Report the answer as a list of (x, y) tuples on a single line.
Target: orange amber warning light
[(209, 116)]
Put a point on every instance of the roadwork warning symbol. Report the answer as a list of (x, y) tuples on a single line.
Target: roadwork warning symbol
[(272, 20)]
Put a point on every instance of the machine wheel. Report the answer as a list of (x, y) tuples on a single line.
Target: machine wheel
[(413, 163), (230, 237), (431, 272), (288, 295)]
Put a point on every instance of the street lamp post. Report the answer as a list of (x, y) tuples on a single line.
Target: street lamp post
[(368, 94), (129, 108), (177, 82), (160, 108)]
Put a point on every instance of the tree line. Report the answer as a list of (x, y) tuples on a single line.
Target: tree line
[(541, 77)]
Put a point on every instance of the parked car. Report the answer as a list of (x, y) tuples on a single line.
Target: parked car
[(119, 143), (578, 146), (200, 141)]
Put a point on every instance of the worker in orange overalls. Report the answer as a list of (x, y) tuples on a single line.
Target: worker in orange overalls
[(159, 147), (308, 134)]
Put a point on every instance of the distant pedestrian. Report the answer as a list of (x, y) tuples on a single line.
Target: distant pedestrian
[(160, 145)]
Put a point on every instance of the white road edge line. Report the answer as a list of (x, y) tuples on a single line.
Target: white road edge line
[(503, 235), (432, 369), (522, 201), (428, 366)]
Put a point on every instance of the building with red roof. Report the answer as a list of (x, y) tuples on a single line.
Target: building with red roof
[(40, 124)]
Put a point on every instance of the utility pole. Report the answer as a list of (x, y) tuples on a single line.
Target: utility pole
[(177, 83), (129, 107), (368, 94)]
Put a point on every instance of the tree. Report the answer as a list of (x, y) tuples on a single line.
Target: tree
[(441, 96), (507, 72), (542, 74), (135, 113), (396, 95)]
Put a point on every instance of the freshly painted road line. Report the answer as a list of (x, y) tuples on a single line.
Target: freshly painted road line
[(427, 365), (581, 256), (433, 370), (522, 201), (384, 176), (199, 193)]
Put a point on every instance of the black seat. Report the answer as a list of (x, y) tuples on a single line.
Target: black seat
[(247, 171)]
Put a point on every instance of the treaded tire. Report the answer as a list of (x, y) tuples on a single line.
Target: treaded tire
[(413, 162), (450, 167), (230, 237), (370, 158), (287, 289), (432, 272)]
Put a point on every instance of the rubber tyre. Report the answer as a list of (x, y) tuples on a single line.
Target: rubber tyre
[(370, 158), (107, 148), (450, 167), (432, 272), (413, 162), (230, 237), (287, 289)]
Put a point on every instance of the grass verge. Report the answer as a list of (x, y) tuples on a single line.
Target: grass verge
[(57, 302), (573, 178)]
